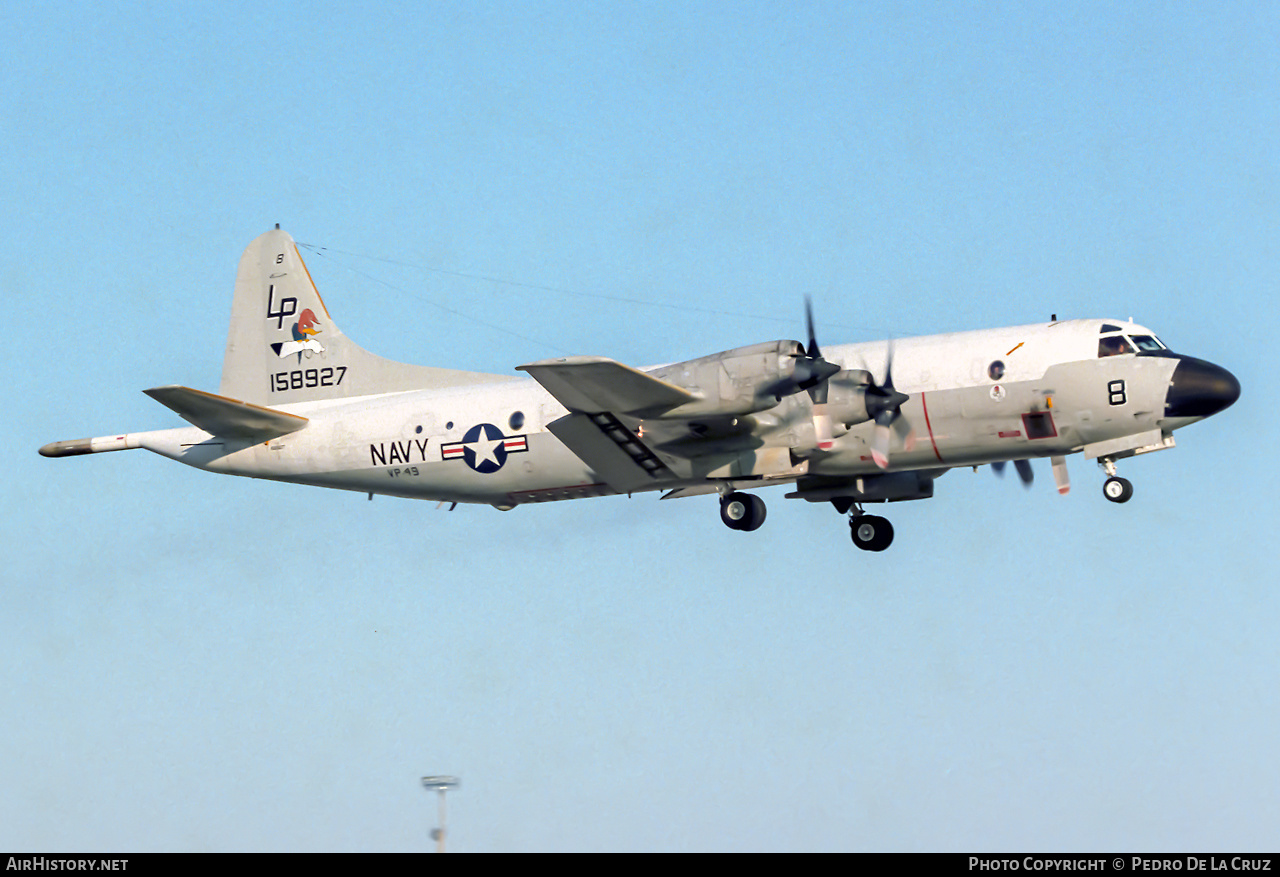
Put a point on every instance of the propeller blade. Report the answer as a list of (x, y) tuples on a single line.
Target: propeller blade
[(888, 368), (880, 445), (822, 427), (1025, 471), (812, 350), (998, 467), (1060, 474)]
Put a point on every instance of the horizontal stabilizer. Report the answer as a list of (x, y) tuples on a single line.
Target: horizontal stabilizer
[(228, 418), (592, 384)]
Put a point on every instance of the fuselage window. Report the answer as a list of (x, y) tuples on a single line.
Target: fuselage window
[(995, 371), (516, 420), (1112, 345)]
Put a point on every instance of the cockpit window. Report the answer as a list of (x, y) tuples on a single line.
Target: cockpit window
[(1147, 342), (1107, 327), (1113, 345)]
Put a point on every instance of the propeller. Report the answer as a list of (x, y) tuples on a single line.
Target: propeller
[(1025, 472), (884, 404), (812, 373), (1060, 477)]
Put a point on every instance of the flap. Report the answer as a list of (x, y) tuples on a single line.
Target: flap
[(592, 384), (606, 445), (229, 418)]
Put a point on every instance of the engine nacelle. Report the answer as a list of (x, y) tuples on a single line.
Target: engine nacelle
[(847, 397), (747, 380), (744, 380)]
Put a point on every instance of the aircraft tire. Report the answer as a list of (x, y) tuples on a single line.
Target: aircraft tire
[(1117, 489), (742, 511), (758, 511), (871, 532)]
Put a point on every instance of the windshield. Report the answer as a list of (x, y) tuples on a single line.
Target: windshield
[(1111, 345)]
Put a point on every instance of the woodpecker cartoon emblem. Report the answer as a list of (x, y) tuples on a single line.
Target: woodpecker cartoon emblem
[(303, 330)]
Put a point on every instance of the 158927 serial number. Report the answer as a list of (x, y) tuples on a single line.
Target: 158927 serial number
[(299, 379)]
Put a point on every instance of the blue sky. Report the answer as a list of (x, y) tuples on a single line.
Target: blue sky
[(202, 663)]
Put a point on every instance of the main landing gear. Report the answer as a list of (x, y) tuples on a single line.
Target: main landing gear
[(746, 511), (869, 532), (1115, 488)]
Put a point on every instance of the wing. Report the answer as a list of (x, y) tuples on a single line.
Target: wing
[(592, 384), (638, 431), (598, 393)]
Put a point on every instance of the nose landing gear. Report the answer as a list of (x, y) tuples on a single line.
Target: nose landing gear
[(1115, 488)]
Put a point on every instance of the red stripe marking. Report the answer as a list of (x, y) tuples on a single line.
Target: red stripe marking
[(925, 404)]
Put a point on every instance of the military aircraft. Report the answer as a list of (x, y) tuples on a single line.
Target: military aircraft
[(849, 425)]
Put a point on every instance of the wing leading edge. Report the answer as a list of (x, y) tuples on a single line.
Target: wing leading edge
[(592, 384)]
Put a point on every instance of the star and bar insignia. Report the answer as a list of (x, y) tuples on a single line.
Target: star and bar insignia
[(484, 448)]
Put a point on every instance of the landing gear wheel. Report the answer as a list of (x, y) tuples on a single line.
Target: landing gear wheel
[(742, 511), (871, 532), (1117, 489)]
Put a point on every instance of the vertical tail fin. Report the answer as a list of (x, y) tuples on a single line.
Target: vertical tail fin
[(285, 347)]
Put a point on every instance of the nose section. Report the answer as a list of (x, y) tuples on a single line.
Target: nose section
[(1199, 388)]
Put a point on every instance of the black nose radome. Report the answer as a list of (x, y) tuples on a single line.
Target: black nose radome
[(1199, 389)]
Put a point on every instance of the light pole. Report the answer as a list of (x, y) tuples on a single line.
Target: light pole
[(441, 785)]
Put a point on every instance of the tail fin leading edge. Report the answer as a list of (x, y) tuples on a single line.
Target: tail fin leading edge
[(284, 347)]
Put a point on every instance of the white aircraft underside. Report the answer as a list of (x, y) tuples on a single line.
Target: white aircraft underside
[(851, 424)]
